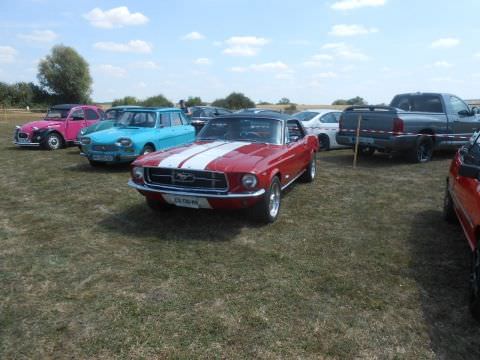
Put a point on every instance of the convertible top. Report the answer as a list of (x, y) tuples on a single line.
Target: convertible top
[(64, 106)]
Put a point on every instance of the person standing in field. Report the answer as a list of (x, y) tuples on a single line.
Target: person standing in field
[(186, 110)]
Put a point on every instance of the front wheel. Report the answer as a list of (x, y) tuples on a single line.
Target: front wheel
[(365, 151), (423, 150), (147, 149), (53, 141), (475, 285), (267, 210), (324, 141), (448, 212)]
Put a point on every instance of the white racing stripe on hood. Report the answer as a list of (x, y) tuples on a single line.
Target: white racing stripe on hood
[(200, 161), (175, 160)]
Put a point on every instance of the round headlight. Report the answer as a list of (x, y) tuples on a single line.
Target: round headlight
[(249, 181), (82, 131), (35, 128), (137, 173), (124, 142), (85, 141)]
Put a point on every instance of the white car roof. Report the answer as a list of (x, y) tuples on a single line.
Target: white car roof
[(322, 111)]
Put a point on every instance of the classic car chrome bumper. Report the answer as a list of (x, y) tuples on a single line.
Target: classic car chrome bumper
[(26, 144), (145, 187)]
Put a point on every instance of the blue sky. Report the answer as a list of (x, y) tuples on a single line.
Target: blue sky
[(312, 52)]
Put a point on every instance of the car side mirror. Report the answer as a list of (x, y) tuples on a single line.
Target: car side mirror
[(464, 113), (469, 171)]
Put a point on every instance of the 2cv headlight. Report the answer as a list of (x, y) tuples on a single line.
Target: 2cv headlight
[(126, 142), (85, 141)]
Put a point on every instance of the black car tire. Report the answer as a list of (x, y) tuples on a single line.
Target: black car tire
[(311, 170), (147, 149), (267, 209), (96, 163), (448, 212), (157, 205), (324, 141), (365, 151), (423, 150), (53, 141), (475, 285)]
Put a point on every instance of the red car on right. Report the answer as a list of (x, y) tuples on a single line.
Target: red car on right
[(462, 202)]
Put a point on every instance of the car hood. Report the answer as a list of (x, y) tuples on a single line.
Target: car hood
[(110, 136), (40, 124), (101, 125), (219, 156)]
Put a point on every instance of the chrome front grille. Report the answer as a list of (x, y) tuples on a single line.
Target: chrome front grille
[(105, 148), (186, 179)]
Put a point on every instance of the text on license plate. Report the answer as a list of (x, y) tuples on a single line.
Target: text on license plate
[(23, 140), (186, 201), (99, 157)]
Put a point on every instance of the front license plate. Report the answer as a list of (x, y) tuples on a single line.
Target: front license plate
[(99, 157), (23, 140), (185, 201)]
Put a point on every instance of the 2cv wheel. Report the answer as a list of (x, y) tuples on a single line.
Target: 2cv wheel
[(53, 141)]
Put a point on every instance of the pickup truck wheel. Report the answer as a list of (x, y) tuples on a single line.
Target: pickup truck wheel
[(267, 209), (423, 150), (157, 205), (448, 210), (324, 141), (365, 151), (147, 149), (475, 285), (53, 141), (311, 170)]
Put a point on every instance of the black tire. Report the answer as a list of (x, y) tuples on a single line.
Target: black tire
[(324, 141), (448, 212), (365, 151), (147, 149), (475, 285), (265, 211), (423, 150), (157, 205), (53, 141), (96, 163), (311, 170)]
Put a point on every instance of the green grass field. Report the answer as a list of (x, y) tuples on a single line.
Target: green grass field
[(359, 265)]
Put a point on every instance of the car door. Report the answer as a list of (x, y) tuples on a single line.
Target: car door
[(462, 119), (75, 122), (91, 116), (330, 127), (296, 148), (466, 192), (182, 131)]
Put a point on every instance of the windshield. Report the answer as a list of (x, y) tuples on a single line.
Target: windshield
[(305, 115), (243, 129), (137, 119), (112, 114), (59, 114)]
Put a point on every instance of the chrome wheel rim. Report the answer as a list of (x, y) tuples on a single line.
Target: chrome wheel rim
[(53, 142), (274, 200), (313, 168), (146, 151)]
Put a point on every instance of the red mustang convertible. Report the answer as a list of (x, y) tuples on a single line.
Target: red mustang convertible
[(462, 201), (238, 161)]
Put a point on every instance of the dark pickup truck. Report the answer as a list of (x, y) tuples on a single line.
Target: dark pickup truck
[(415, 124)]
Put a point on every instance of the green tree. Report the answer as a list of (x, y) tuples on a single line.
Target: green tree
[(234, 101), (127, 100), (157, 101), (284, 101), (66, 74), (264, 103), (194, 101)]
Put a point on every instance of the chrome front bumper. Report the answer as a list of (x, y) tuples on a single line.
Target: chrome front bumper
[(26, 144), (227, 196)]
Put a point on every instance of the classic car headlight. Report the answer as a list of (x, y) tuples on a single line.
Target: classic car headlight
[(18, 127), (137, 173), (82, 131), (249, 181), (85, 141), (124, 142), (35, 128)]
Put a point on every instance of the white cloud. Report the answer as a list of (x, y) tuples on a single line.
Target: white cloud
[(193, 36), (111, 70), (346, 52), (39, 36), (202, 61), (148, 65), (355, 4), (351, 30), (325, 75), (7, 54), (442, 64), (115, 18), (284, 76), (238, 69), (135, 46), (244, 45), (271, 66), (445, 43)]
